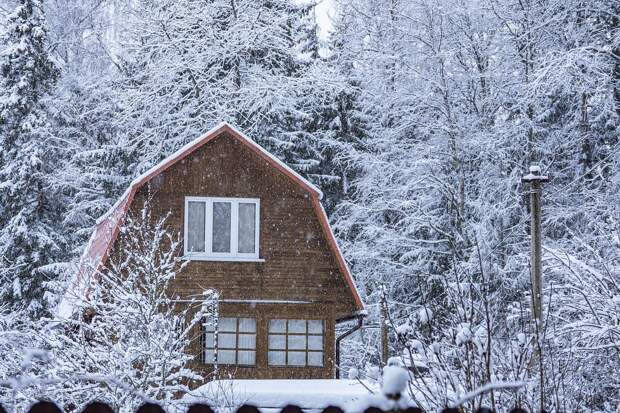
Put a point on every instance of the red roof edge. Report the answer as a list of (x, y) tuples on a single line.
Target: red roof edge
[(333, 245)]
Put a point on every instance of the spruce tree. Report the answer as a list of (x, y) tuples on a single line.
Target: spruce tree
[(250, 63), (29, 206), (340, 126)]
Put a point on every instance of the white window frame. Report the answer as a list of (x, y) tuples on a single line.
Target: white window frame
[(234, 254)]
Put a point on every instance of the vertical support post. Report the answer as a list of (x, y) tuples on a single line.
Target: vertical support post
[(384, 331), (535, 179)]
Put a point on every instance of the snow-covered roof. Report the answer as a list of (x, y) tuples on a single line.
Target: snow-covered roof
[(268, 395), (108, 226)]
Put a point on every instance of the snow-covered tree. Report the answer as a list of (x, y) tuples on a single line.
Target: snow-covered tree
[(95, 172), (85, 115), (131, 331), (25, 368), (461, 97), (252, 63), (30, 207)]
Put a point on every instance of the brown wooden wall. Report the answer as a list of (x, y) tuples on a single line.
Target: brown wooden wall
[(298, 266)]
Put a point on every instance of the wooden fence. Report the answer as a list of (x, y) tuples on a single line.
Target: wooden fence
[(97, 407)]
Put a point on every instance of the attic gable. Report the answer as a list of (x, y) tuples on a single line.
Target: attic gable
[(107, 228)]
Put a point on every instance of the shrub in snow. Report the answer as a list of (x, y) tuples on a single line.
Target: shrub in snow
[(404, 329), (425, 315), (28, 371), (14, 339), (463, 334), (131, 330)]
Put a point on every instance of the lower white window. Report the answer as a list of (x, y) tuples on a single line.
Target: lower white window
[(296, 343), (230, 340)]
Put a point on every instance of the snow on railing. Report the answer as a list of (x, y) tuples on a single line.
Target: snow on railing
[(98, 407), (392, 398)]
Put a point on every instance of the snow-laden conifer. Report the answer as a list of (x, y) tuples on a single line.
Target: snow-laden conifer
[(30, 206)]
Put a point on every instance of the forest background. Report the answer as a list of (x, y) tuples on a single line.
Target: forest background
[(417, 118)]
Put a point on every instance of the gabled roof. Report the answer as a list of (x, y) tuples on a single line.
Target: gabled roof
[(109, 225)]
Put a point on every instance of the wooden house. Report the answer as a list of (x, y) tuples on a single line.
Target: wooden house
[(255, 231)]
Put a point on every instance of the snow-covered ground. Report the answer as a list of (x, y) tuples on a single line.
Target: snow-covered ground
[(311, 395), (272, 395)]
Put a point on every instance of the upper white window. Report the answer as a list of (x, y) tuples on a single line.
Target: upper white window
[(221, 228)]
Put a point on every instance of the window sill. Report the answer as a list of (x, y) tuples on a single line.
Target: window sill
[(221, 259)]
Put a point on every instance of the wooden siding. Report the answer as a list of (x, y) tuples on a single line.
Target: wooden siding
[(298, 266)]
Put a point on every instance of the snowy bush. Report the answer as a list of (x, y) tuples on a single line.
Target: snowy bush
[(134, 330), (130, 338)]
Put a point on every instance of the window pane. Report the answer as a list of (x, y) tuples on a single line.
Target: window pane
[(227, 324), (277, 342), (315, 342), (226, 340), (226, 356), (315, 358), (209, 340), (296, 326), (246, 357), (247, 227), (209, 356), (195, 226), (315, 326), (277, 326), (247, 325), (297, 342), (247, 341), (296, 358), (221, 226), (277, 358)]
